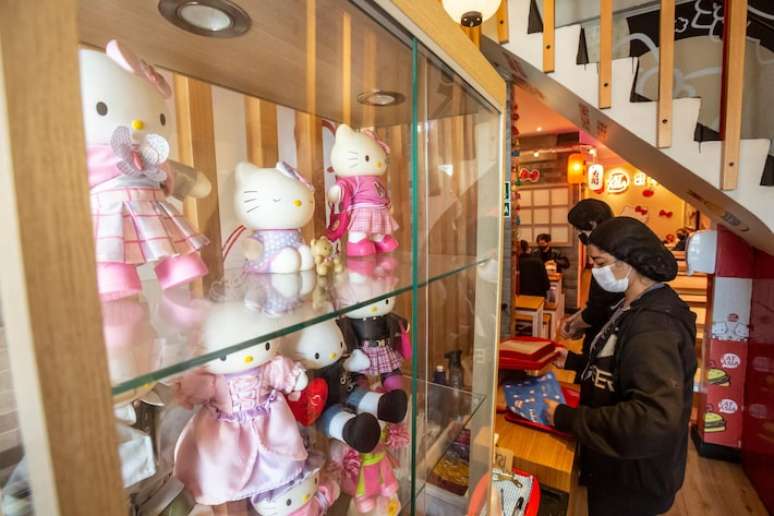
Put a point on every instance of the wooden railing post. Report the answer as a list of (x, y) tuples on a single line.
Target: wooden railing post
[(734, 44), (549, 36), (196, 145), (605, 53), (665, 75), (502, 23)]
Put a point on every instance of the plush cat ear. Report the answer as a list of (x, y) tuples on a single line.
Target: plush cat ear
[(243, 171), (123, 56), (344, 131)]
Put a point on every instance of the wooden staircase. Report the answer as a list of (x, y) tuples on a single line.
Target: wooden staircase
[(721, 178)]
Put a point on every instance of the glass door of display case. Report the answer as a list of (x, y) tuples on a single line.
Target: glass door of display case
[(242, 139)]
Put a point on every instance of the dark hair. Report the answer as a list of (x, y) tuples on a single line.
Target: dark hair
[(543, 236), (633, 242), (524, 246), (587, 211)]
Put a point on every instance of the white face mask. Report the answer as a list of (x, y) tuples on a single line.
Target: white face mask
[(608, 281)]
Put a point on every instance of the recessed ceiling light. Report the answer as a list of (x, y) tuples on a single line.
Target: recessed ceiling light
[(380, 98), (540, 129), (213, 18), (536, 154)]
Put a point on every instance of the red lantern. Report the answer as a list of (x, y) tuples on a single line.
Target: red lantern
[(576, 168)]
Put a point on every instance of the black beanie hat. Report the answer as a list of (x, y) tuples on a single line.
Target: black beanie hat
[(633, 242)]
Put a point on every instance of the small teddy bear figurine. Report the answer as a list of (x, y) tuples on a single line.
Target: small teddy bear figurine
[(312, 493), (244, 440), (274, 203), (325, 257), (359, 159), (130, 175)]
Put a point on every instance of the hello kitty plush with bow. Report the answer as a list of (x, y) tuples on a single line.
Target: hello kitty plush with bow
[(244, 440), (130, 175), (274, 204), (359, 159), (312, 493)]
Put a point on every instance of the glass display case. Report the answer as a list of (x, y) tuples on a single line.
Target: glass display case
[(246, 358)]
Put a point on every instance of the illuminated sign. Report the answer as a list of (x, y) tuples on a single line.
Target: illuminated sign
[(640, 178), (596, 178), (618, 181)]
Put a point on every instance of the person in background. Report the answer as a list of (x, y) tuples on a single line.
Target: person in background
[(533, 278), (638, 382), (682, 239), (547, 254), (585, 216)]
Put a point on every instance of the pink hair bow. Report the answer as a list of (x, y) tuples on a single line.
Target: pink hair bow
[(129, 61), (381, 143), (292, 173)]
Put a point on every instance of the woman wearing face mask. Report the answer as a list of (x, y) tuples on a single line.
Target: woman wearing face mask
[(638, 382)]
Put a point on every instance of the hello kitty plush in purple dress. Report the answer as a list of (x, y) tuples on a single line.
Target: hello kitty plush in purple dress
[(244, 440)]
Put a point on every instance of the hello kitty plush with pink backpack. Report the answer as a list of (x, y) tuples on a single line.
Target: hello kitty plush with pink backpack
[(130, 176), (359, 159)]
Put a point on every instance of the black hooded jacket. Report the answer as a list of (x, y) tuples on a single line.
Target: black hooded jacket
[(637, 392)]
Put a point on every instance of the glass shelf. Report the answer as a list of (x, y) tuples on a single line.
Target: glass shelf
[(157, 336), (442, 413)]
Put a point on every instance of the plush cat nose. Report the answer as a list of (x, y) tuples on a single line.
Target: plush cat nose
[(378, 164), (306, 497), (373, 309), (248, 359), (332, 356), (138, 125), (297, 203)]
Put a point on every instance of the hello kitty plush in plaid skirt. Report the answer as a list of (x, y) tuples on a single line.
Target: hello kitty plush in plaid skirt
[(131, 177)]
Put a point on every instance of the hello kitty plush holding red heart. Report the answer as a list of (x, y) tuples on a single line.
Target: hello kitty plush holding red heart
[(130, 175), (359, 159)]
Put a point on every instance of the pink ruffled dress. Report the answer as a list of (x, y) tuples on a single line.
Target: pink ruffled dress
[(133, 221), (370, 208), (244, 440)]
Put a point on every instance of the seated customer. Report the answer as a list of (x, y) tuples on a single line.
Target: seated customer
[(547, 254), (533, 278)]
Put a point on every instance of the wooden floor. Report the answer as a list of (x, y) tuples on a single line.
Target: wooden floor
[(711, 488)]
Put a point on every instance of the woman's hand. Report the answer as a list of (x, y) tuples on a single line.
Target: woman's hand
[(550, 410), (572, 327), (560, 359)]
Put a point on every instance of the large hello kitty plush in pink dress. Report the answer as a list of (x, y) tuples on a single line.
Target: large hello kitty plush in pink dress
[(359, 160), (244, 440), (131, 177)]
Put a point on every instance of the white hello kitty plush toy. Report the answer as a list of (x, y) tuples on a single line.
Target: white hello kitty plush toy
[(274, 203), (130, 175), (381, 334), (312, 493), (244, 440), (350, 411), (359, 159)]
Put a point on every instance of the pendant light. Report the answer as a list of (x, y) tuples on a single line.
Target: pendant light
[(471, 13)]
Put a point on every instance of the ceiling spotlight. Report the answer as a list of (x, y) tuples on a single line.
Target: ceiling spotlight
[(213, 18), (540, 129), (471, 13), (536, 154), (380, 98)]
